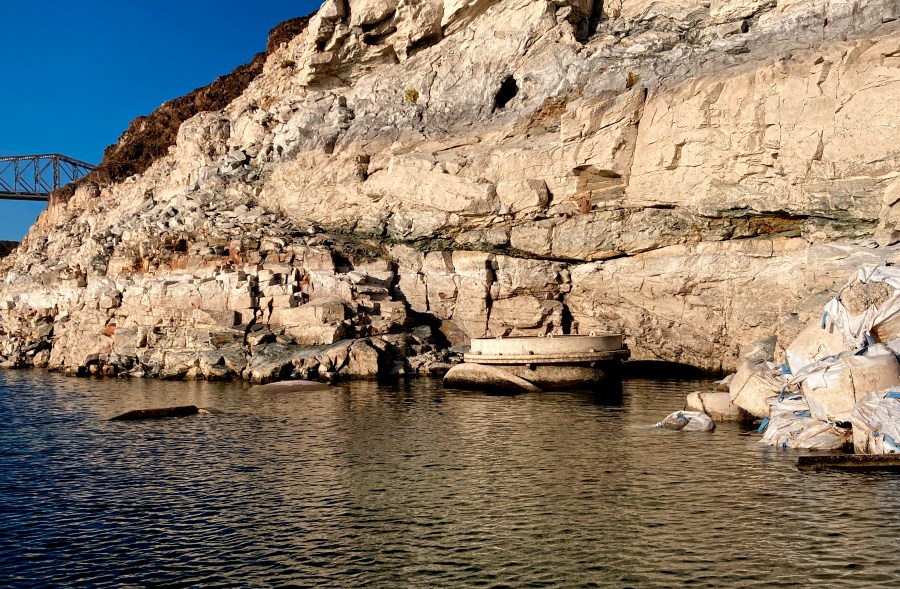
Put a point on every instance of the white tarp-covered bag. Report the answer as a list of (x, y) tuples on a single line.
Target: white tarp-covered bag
[(815, 343), (754, 384), (793, 426), (687, 421), (883, 318), (876, 424), (834, 385)]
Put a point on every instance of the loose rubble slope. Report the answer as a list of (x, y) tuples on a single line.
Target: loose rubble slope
[(402, 175)]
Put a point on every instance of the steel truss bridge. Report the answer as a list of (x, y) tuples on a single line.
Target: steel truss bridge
[(34, 177)]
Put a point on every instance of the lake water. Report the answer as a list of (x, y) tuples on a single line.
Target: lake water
[(412, 485)]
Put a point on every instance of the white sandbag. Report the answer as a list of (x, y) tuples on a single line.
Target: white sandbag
[(841, 382), (814, 344), (792, 426), (894, 346), (855, 327), (687, 421), (821, 435), (787, 416), (717, 405), (753, 385), (887, 331), (788, 403), (876, 424)]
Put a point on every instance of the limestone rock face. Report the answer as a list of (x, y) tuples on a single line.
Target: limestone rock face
[(400, 175)]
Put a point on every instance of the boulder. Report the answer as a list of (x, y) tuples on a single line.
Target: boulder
[(813, 344), (516, 196), (835, 387), (270, 362), (717, 405), (487, 378), (753, 385), (364, 361), (140, 414), (293, 386)]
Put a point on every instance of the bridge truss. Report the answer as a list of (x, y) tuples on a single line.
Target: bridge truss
[(34, 177)]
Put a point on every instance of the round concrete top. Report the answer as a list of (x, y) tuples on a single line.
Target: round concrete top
[(534, 359), (560, 344)]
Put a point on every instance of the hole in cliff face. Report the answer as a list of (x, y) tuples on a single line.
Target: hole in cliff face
[(342, 264), (595, 18), (567, 319), (374, 39), (508, 90), (375, 32), (423, 43)]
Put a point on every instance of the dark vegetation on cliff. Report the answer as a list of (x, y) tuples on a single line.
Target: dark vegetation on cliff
[(149, 137), (7, 247)]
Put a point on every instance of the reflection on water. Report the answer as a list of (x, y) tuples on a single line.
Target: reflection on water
[(415, 486)]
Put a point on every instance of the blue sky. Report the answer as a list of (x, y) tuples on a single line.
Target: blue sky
[(74, 74)]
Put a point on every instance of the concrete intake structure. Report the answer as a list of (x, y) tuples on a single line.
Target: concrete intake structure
[(552, 362)]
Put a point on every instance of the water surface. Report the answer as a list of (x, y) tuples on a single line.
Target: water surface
[(411, 485)]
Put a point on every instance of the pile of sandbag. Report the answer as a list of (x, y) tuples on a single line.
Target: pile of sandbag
[(834, 385), (818, 407), (835, 369), (792, 425), (867, 309), (839, 383)]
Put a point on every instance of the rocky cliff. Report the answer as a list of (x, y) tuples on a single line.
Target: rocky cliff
[(401, 175)]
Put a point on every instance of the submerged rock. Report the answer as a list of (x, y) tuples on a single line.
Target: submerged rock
[(717, 405), (487, 378), (293, 386), (162, 413)]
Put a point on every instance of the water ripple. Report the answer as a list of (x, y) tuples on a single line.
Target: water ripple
[(414, 486)]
